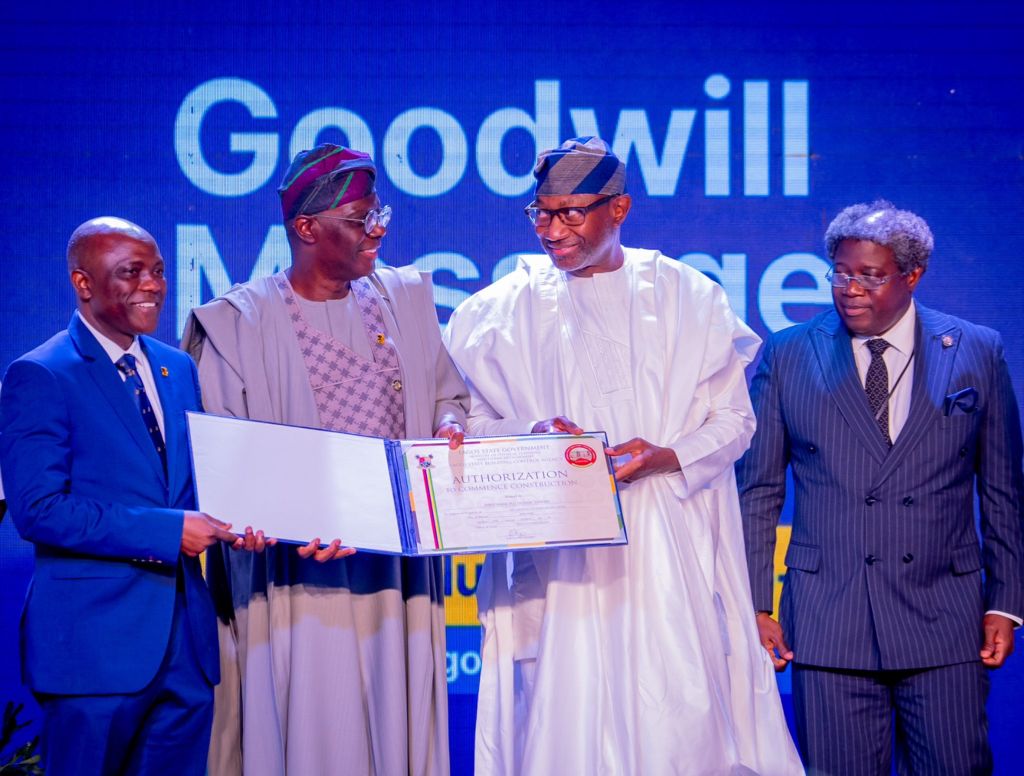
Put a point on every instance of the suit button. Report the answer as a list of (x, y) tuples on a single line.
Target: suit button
[(871, 501), (908, 500), (907, 558), (812, 449), (870, 560)]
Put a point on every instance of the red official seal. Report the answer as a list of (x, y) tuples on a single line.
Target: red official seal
[(580, 455)]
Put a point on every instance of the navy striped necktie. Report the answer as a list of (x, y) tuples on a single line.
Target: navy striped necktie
[(126, 365)]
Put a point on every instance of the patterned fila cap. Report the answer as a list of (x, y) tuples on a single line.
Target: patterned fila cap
[(581, 165), (324, 178)]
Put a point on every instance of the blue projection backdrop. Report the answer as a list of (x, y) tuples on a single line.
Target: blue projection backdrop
[(746, 128)]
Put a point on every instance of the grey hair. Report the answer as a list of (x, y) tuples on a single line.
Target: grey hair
[(906, 234)]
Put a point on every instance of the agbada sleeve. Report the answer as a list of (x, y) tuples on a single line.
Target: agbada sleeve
[(220, 378)]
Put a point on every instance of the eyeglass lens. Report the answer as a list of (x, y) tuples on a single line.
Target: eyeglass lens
[(377, 218), (867, 282)]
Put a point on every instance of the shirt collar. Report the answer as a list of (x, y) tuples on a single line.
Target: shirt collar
[(111, 348), (900, 335)]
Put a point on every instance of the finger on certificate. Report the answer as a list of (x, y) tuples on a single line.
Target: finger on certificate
[(453, 432), (564, 424), (248, 540), (200, 530), (333, 551), (634, 445), (307, 550), (255, 541), (558, 424), (628, 469)]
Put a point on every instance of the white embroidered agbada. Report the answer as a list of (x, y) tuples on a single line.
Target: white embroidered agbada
[(638, 660)]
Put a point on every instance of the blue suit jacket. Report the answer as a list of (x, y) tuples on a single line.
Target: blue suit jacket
[(884, 563), (85, 485)]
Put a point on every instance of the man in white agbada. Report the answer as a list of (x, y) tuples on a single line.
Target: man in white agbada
[(644, 659)]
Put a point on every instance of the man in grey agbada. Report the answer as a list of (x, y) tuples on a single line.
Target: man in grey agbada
[(341, 665)]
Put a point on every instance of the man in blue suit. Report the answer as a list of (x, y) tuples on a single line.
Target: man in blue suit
[(890, 417), (118, 631)]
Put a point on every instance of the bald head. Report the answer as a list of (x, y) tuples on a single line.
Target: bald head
[(118, 275), (87, 237)]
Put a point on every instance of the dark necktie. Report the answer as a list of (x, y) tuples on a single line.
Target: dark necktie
[(876, 385), (126, 365)]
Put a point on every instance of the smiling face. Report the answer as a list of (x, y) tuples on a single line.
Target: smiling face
[(591, 247), (120, 284), (344, 252), (870, 313)]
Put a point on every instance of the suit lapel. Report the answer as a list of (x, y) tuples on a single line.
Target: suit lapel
[(835, 356), (933, 365), (169, 404), (111, 387)]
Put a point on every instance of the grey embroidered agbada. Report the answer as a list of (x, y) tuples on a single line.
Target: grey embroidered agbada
[(338, 666)]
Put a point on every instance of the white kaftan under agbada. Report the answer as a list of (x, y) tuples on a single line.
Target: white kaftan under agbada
[(643, 659)]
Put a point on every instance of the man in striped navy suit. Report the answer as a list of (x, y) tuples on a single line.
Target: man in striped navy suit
[(890, 416)]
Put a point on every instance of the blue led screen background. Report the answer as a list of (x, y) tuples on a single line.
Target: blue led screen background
[(746, 126)]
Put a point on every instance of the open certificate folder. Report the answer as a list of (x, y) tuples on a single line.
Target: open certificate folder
[(407, 496)]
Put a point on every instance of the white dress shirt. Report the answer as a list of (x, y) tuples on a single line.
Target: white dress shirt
[(898, 357), (115, 352)]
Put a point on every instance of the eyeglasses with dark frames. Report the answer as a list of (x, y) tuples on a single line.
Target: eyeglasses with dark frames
[(570, 216)]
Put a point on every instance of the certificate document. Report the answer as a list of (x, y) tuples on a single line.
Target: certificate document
[(408, 496), (512, 492)]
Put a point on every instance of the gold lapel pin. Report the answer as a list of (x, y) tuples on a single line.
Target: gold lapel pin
[(947, 341), (163, 371), (380, 339)]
